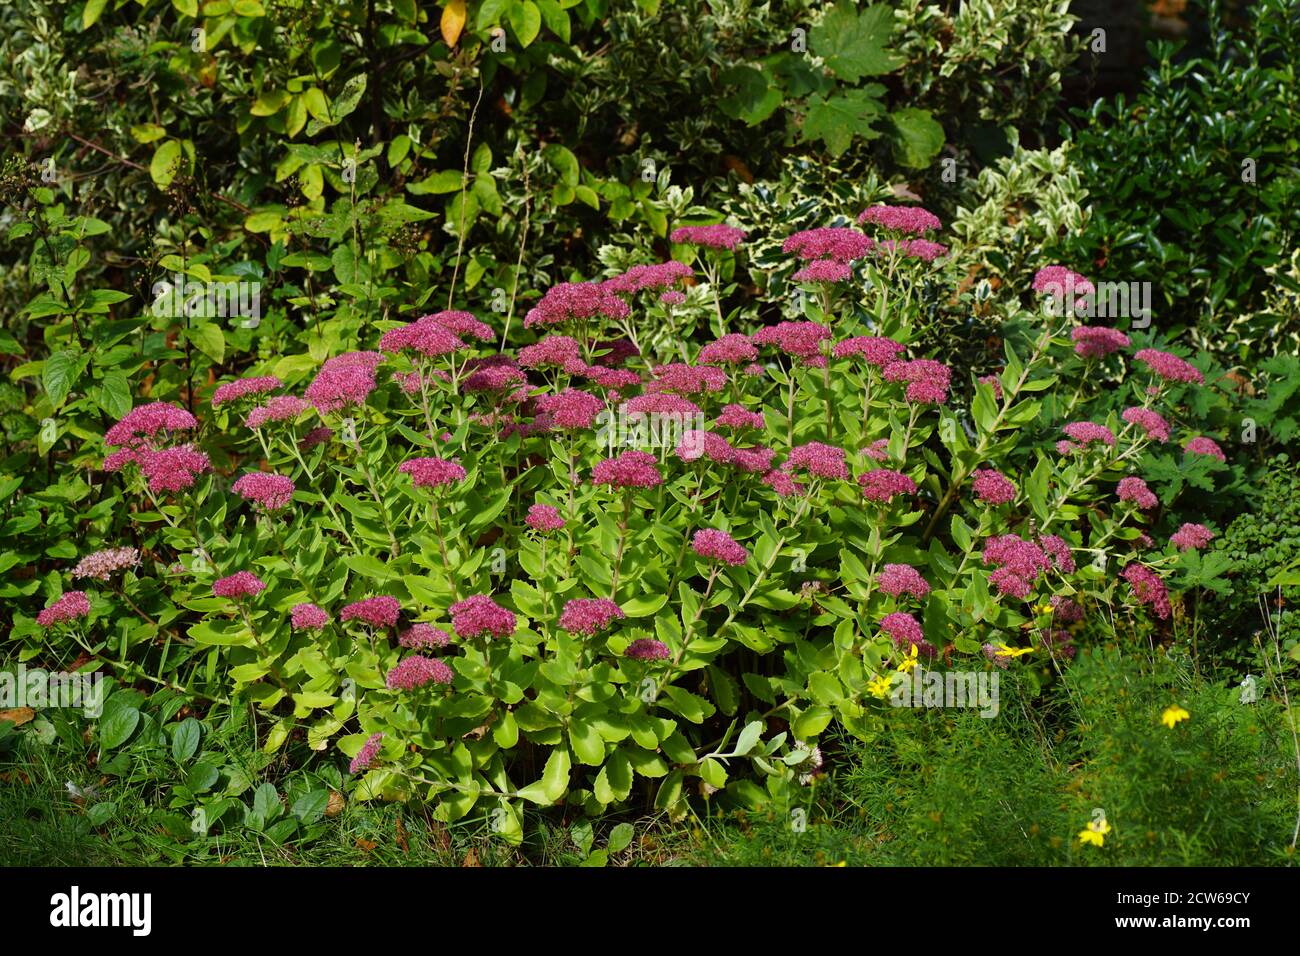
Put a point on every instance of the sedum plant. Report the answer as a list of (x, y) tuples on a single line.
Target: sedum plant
[(539, 566)]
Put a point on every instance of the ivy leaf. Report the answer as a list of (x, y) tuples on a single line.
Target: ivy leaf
[(853, 44), (919, 137), (838, 119)]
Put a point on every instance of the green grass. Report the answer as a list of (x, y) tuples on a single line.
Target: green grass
[(940, 788)]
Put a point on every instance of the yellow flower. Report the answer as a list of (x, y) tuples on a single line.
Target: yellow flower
[(909, 662), (1095, 832), (1006, 651), (879, 686), (1173, 715), (1044, 609)]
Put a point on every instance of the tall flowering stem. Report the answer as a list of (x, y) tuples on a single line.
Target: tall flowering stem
[(374, 493), (622, 541), (960, 474)]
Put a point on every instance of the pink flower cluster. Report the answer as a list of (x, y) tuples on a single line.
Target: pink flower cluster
[(874, 350), (479, 614), (1148, 589), (714, 545), (1151, 423), (1098, 342), (738, 417), (714, 237), (69, 606), (828, 242), (240, 584), (171, 469), (922, 249), (308, 617), (240, 388), (281, 408), (630, 469), (1061, 283), (899, 579), (1019, 563), (1134, 489), (647, 649), (576, 302), (661, 275), (909, 219), (344, 380), (416, 671), (461, 323), (731, 349), (553, 351), (798, 339), (882, 484), (145, 423), (432, 472), (927, 380), (902, 629), (1204, 446), (992, 487), (824, 270), (367, 754), (820, 461), (102, 564), (422, 636), (1169, 367), (590, 616), (544, 518), (1083, 434), (1191, 537), (379, 611), (270, 491), (423, 336)]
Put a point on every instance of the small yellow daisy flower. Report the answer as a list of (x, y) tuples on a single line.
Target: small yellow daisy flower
[(1014, 651), (1173, 715), (1095, 832), (909, 663), (879, 686)]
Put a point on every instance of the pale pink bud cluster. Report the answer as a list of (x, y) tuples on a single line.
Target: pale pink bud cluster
[(102, 564), (241, 388)]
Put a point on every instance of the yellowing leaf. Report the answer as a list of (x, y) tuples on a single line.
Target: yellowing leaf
[(453, 20), (17, 715)]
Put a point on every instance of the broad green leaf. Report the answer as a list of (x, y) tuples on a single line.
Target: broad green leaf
[(853, 43), (165, 163), (919, 136), (838, 119)]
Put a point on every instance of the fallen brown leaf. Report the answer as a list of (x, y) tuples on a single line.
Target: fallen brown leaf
[(335, 805), (17, 715)]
